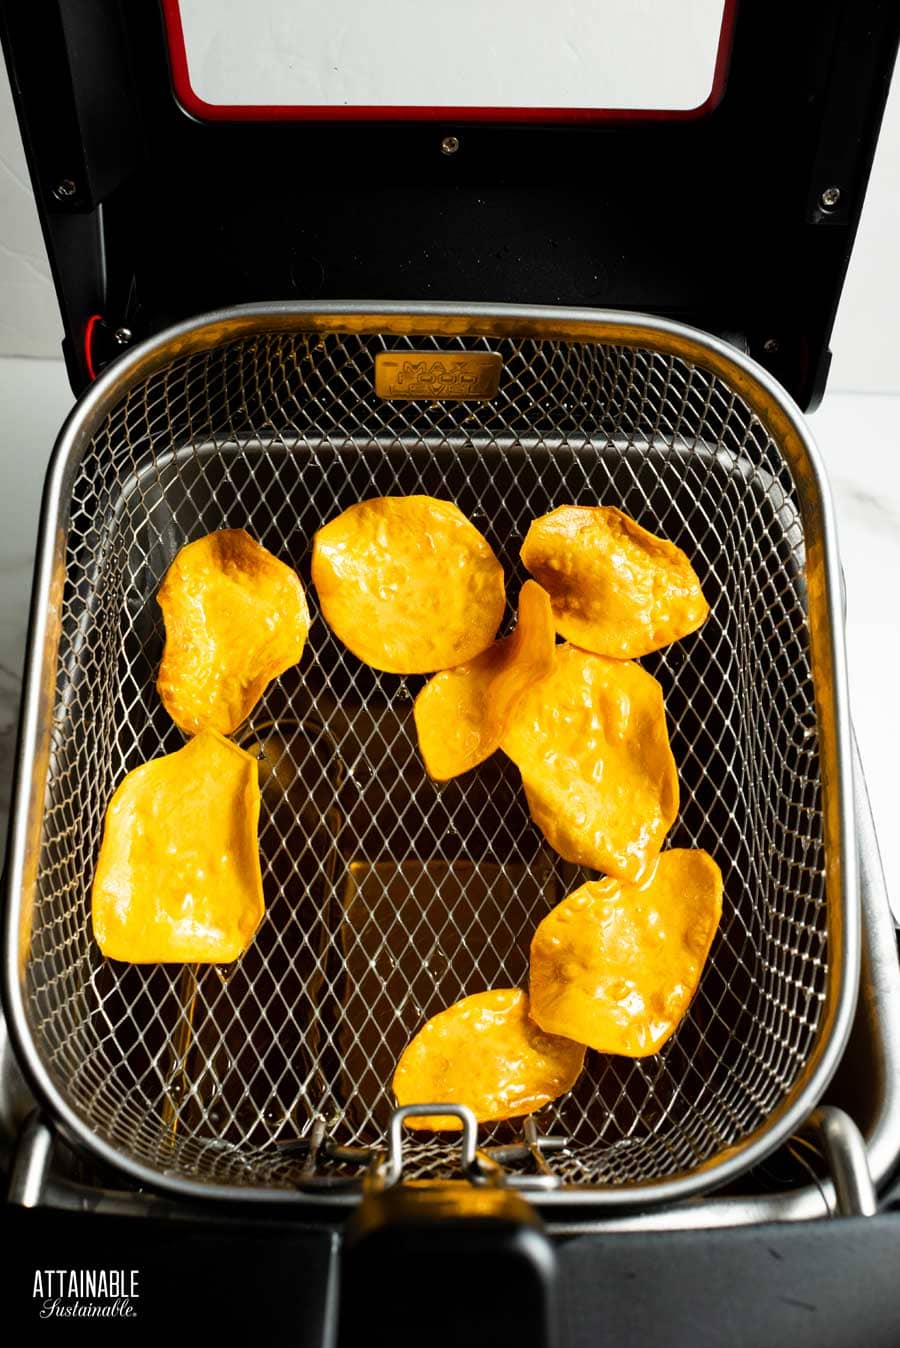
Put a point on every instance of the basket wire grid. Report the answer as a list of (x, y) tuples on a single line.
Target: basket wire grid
[(388, 896)]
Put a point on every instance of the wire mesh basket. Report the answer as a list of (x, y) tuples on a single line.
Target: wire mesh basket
[(390, 896)]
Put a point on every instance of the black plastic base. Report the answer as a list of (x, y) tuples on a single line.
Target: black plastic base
[(811, 1285)]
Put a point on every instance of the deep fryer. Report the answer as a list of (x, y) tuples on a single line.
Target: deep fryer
[(388, 898)]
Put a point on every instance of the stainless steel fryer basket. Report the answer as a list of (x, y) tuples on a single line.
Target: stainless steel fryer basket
[(389, 897)]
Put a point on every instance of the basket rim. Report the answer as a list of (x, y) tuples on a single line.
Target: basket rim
[(784, 422)]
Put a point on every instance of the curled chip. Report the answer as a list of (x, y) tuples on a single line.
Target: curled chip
[(236, 618), (461, 714), (615, 965), (485, 1052), (615, 588), (178, 877), (591, 743), (408, 584)]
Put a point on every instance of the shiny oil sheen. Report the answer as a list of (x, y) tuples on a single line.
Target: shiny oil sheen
[(592, 745), (616, 589), (486, 1052), (408, 584), (178, 878), (615, 965), (462, 714), (236, 618)]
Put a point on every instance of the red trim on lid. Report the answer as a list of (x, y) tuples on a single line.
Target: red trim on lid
[(239, 112), (89, 344)]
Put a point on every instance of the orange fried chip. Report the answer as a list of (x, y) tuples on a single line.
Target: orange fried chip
[(591, 743), (408, 584), (485, 1052), (178, 877), (236, 618), (615, 588), (461, 714), (615, 965)]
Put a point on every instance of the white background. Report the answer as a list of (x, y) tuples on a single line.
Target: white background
[(858, 429)]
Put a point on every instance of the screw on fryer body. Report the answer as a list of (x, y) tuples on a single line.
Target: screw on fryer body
[(65, 190), (122, 336), (830, 198), (449, 145), (771, 346)]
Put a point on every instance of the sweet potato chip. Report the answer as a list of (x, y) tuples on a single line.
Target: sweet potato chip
[(178, 877), (615, 588), (487, 1053), (615, 965), (408, 584), (236, 618), (591, 743), (461, 714)]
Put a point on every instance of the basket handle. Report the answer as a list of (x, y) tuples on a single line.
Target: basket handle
[(458, 1262)]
